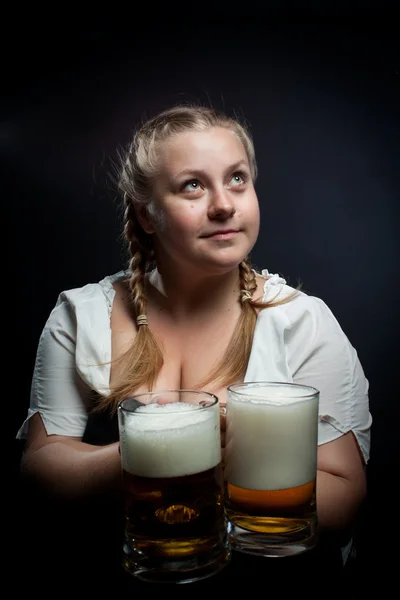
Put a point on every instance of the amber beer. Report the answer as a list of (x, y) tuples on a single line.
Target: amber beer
[(175, 526), (270, 471)]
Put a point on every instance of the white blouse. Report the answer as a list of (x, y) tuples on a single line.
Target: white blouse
[(299, 341)]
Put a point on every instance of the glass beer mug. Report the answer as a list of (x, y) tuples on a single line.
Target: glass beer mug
[(270, 467), (175, 525)]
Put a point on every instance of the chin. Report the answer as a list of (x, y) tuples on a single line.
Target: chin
[(224, 266), (232, 259)]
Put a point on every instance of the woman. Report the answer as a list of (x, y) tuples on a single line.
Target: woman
[(190, 312)]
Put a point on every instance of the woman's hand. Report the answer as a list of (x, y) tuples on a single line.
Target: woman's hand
[(223, 431)]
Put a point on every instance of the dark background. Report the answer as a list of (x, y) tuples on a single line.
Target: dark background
[(322, 99)]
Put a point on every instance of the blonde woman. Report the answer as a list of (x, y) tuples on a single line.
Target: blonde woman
[(189, 311)]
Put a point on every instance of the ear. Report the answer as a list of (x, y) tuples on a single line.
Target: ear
[(144, 218)]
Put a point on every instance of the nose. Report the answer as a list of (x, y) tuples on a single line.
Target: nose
[(221, 205)]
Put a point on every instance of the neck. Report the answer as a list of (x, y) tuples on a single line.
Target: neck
[(184, 296)]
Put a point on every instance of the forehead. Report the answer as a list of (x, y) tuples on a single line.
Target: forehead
[(212, 148)]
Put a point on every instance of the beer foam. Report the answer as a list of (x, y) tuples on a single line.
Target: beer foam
[(166, 416), (271, 445), (279, 395), (171, 440), (168, 407)]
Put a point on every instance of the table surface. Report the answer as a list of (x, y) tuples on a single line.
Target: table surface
[(288, 574), (78, 548)]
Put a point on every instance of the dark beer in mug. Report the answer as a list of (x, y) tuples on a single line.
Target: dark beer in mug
[(270, 467), (175, 526)]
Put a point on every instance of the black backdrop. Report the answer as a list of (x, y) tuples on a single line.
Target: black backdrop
[(323, 105)]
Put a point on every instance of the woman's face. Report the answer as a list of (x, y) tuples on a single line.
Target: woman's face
[(205, 212)]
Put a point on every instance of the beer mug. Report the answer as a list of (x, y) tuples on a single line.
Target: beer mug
[(270, 467), (174, 520)]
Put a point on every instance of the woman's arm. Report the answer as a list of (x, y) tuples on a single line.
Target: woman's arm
[(320, 355), (341, 483), (67, 467), (55, 459)]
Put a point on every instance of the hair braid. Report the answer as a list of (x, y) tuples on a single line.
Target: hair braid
[(248, 280), (233, 364), (139, 258), (142, 362)]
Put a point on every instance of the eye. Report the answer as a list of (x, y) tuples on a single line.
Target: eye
[(238, 179), (191, 186)]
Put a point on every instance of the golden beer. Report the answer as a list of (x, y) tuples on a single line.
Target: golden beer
[(175, 525), (270, 472), (169, 515)]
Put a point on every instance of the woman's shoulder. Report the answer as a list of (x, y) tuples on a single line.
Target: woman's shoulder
[(104, 288), (275, 290), (92, 298), (298, 315), (292, 303)]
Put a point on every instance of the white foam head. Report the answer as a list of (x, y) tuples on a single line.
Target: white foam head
[(271, 438), (170, 440), (273, 393)]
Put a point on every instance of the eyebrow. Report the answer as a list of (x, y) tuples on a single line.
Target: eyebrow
[(230, 168)]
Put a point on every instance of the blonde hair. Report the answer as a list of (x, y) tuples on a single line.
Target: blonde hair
[(142, 362)]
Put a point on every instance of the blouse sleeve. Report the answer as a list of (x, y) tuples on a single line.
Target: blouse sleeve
[(58, 392), (319, 354)]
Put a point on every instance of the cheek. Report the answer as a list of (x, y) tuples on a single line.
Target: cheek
[(158, 218), (186, 219), (256, 210), (251, 212), (252, 217), (257, 217)]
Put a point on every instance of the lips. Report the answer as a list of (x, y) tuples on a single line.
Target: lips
[(222, 233)]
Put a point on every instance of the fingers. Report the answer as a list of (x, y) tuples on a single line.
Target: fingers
[(222, 414), (223, 423)]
